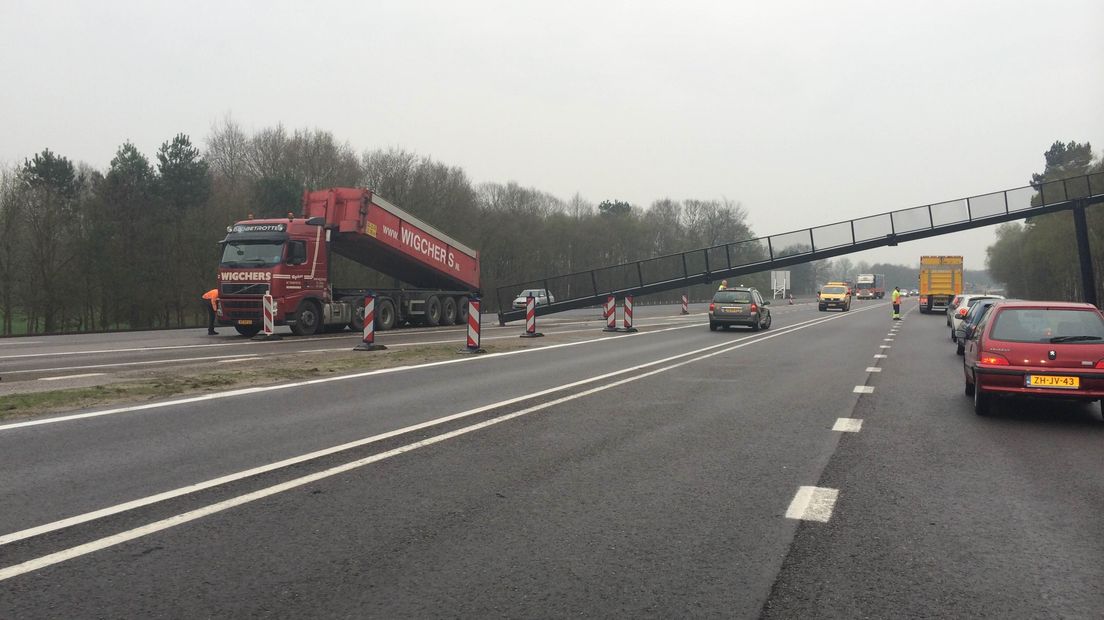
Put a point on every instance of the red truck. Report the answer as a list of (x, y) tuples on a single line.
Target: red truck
[(289, 258)]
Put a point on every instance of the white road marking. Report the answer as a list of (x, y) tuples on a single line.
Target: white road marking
[(877, 356), (813, 504), (848, 425), (873, 369), (887, 340), (864, 389), (34, 564), (885, 346), (369, 373), (19, 341), (238, 359), (62, 378)]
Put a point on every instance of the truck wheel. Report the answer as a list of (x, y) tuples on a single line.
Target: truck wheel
[(712, 326), (248, 330), (448, 311), (357, 322), (433, 311), (385, 315), (820, 308), (462, 310), (308, 318)]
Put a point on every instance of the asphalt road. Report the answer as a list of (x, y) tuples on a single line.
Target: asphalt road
[(671, 473)]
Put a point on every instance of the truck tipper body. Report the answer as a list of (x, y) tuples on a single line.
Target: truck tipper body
[(290, 259), (940, 281), (870, 286)]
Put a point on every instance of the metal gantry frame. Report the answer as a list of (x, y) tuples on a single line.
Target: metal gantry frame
[(705, 265)]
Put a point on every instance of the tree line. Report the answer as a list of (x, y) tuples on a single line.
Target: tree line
[(1037, 258), (135, 245)]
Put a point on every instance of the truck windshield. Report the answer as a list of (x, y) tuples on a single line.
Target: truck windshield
[(252, 253)]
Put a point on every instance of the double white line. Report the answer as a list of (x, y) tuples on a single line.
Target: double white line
[(157, 526)]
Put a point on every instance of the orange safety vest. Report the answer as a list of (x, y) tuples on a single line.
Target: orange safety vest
[(212, 296)]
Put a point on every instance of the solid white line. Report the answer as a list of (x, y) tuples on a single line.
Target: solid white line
[(813, 504), (16, 341), (238, 359), (848, 425), (183, 359), (864, 389), (109, 541), (284, 386), (876, 356), (87, 374), (873, 369)]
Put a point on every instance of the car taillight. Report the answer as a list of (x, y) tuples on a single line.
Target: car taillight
[(754, 308), (1099, 364), (711, 306), (993, 359)]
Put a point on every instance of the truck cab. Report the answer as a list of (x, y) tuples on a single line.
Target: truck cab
[(284, 258)]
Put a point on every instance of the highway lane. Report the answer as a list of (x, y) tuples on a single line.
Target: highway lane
[(140, 452), (657, 496), (944, 513), (51, 357)]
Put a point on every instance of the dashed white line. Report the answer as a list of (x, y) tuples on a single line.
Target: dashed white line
[(848, 425), (87, 374), (864, 389), (813, 504), (873, 369), (885, 346), (879, 356), (887, 340)]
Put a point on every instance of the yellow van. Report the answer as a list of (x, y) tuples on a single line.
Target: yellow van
[(834, 295)]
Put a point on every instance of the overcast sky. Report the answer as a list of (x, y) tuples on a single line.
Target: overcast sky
[(806, 113)]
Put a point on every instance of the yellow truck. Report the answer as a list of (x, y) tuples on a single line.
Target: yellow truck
[(940, 281)]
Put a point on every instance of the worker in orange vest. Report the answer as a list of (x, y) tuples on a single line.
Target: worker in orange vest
[(211, 297)]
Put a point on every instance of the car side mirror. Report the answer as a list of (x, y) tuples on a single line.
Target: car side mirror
[(766, 302)]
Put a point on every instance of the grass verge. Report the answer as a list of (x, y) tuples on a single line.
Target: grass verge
[(142, 387)]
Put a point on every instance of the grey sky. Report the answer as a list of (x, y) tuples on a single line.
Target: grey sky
[(806, 113)]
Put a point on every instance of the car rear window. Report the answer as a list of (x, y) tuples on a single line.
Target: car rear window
[(728, 297), (1048, 325), (834, 290)]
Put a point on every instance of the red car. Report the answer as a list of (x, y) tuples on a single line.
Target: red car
[(1040, 349)]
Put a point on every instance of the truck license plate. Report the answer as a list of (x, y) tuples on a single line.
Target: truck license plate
[(1053, 381), (245, 321)]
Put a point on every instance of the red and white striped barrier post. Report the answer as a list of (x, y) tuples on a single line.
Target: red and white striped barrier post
[(685, 305), (368, 339), (474, 323), (531, 318), (610, 312), (627, 318), (268, 319)]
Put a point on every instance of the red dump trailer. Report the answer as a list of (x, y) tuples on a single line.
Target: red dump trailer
[(289, 258)]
